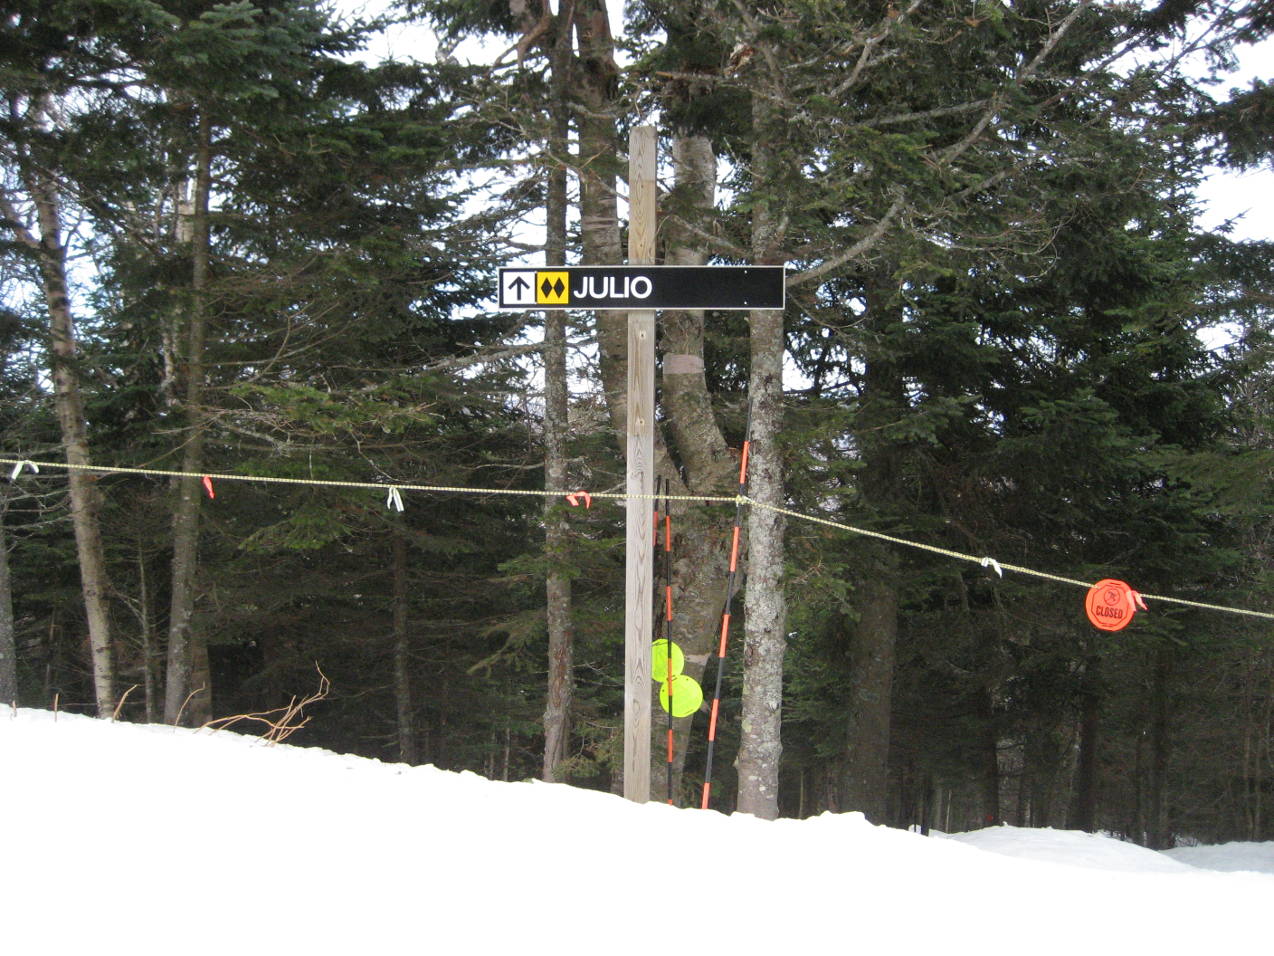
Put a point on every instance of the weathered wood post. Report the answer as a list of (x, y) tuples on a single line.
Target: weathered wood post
[(639, 557)]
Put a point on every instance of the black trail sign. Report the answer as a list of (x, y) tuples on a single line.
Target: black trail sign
[(643, 287)]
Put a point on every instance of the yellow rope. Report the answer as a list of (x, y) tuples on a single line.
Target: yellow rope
[(371, 485), (931, 548), (985, 561), (991, 562)]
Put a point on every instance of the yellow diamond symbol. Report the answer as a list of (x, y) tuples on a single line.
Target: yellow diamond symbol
[(551, 288)]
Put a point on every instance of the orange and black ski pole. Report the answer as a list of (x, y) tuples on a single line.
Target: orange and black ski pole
[(725, 614), (668, 675)]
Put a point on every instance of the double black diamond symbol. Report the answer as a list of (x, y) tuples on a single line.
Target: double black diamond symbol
[(554, 288)]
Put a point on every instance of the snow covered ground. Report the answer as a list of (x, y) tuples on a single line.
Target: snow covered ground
[(122, 838)]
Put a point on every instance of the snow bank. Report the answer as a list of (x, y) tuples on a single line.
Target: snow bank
[(150, 839)]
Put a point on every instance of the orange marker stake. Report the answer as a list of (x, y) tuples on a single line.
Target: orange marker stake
[(725, 616), (668, 678)]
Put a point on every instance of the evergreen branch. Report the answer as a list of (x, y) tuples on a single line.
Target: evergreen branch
[(865, 57), (480, 358), (996, 102), (923, 115), (727, 248), (13, 220), (874, 235)]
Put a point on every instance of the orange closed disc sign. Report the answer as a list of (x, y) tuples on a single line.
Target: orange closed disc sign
[(1111, 604)]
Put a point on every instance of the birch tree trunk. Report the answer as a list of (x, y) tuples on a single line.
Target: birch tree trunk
[(188, 694)]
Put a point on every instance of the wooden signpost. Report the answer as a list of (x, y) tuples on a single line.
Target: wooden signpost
[(641, 287), (639, 589)]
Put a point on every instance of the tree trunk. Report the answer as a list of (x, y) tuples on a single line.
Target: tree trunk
[(407, 752), (188, 694), (990, 759), (146, 624), (94, 582), (8, 638), (699, 558), (871, 694), (701, 448), (1042, 757), (593, 85), (85, 499), (1085, 812), (1158, 835), (872, 647), (557, 583), (765, 603)]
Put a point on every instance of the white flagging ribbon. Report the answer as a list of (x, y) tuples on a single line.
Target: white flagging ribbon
[(394, 500), (993, 564), (17, 469)]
